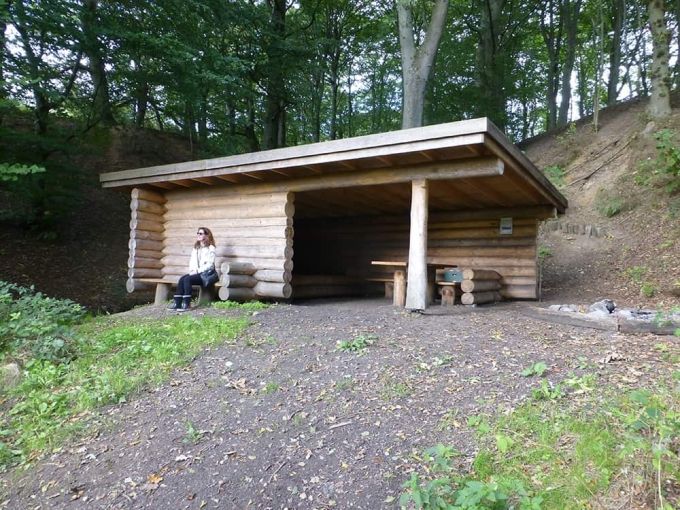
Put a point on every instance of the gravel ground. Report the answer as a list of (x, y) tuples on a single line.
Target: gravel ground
[(283, 419)]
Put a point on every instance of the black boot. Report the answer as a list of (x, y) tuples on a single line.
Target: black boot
[(176, 303), (186, 303)]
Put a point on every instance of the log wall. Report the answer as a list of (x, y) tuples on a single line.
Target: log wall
[(146, 237), (255, 229), (347, 246)]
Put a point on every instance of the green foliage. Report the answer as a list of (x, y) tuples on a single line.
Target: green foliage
[(608, 204), (636, 273), (358, 344), (233, 305), (648, 289), (555, 174), (270, 387), (115, 360), (450, 491), (664, 170), (547, 391), (33, 325), (192, 434), (551, 456), (535, 369), (13, 172), (544, 252)]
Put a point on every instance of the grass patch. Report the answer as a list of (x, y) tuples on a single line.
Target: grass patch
[(552, 454), (555, 174), (358, 344), (608, 204), (231, 305), (116, 360)]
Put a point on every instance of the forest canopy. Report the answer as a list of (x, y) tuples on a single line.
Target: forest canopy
[(247, 75)]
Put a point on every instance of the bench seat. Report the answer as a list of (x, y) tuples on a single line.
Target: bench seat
[(205, 294)]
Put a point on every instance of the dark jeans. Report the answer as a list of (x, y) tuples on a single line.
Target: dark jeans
[(185, 282)]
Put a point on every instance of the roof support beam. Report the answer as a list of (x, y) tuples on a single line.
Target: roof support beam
[(458, 169), (416, 288)]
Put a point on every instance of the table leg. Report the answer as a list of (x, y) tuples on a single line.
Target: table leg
[(399, 288), (431, 284)]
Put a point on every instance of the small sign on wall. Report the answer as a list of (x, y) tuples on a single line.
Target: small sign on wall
[(506, 226)]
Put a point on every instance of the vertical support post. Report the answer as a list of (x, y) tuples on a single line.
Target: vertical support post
[(416, 288)]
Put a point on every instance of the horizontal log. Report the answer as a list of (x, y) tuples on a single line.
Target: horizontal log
[(475, 298), (276, 221), (518, 280), (227, 240), (482, 262), (480, 274), (146, 235), (226, 192), (145, 216), (272, 289), (271, 275), (479, 285), (236, 294), (274, 264), (139, 204), (145, 244), (472, 298), (270, 252), (205, 214), (238, 280), (141, 272), (146, 254), (178, 235), (133, 285), (144, 263), (151, 196), (490, 251), (520, 292), (237, 268), (215, 197), (151, 226)]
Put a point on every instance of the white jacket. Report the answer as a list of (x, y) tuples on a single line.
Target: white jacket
[(202, 259)]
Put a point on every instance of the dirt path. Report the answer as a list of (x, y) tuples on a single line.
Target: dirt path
[(284, 420)]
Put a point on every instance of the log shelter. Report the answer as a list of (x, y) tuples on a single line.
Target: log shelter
[(307, 221)]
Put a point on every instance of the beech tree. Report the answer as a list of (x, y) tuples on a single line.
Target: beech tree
[(417, 60), (659, 101)]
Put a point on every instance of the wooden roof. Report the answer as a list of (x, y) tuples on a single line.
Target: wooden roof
[(474, 164)]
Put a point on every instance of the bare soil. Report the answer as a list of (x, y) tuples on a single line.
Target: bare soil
[(282, 419)]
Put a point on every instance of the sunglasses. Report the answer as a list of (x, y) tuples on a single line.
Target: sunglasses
[(201, 234)]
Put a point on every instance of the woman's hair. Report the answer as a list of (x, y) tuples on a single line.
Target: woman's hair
[(211, 239)]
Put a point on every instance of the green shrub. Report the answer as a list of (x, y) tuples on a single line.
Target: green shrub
[(636, 273), (648, 289), (555, 174), (665, 169), (608, 205), (36, 326)]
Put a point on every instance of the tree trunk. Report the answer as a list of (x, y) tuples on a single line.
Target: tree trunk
[(490, 62), (101, 102), (659, 102), (417, 63), (570, 15), (274, 83), (618, 12), (551, 30), (141, 104), (4, 15)]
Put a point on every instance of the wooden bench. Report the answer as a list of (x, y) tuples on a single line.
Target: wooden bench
[(448, 292), (389, 285), (205, 294)]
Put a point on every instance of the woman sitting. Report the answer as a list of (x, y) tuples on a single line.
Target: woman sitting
[(202, 259)]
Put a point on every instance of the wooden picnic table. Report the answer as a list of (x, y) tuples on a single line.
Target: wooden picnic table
[(400, 268)]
